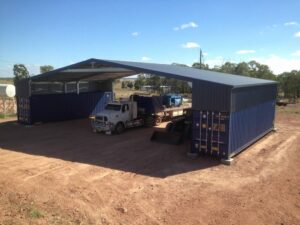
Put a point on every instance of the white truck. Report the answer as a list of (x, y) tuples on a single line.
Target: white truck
[(120, 115)]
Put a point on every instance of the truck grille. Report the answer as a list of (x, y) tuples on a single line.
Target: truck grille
[(101, 118)]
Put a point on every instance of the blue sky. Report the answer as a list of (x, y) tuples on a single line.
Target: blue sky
[(60, 32)]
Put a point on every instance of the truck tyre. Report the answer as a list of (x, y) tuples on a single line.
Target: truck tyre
[(169, 126), (149, 121), (120, 128), (158, 120)]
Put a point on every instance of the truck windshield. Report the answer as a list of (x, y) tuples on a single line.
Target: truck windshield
[(113, 107)]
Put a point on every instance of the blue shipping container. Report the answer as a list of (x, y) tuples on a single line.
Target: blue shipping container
[(23, 110), (250, 124), (225, 134), (60, 107), (172, 100), (210, 132)]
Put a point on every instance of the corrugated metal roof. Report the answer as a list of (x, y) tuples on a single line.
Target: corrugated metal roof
[(173, 71)]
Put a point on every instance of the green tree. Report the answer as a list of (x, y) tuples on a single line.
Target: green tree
[(140, 81), (130, 84), (203, 66), (242, 69), (137, 86), (123, 85), (154, 81), (260, 71), (289, 84), (20, 72), (46, 68), (228, 67), (177, 86)]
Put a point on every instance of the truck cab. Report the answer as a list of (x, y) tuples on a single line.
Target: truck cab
[(116, 117)]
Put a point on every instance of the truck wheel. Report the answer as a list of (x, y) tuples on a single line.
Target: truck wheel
[(170, 127), (149, 121), (158, 120), (119, 129)]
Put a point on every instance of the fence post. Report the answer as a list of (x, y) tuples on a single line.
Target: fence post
[(4, 107)]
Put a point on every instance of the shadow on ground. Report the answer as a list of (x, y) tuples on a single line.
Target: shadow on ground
[(74, 141)]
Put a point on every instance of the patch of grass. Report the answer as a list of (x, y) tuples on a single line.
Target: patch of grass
[(2, 116), (289, 109), (35, 214), (6, 80), (125, 93)]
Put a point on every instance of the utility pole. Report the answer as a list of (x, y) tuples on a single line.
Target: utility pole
[(200, 61)]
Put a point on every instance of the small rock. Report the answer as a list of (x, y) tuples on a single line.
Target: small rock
[(122, 210)]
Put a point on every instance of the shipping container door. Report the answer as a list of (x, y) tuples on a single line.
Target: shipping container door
[(23, 110), (210, 132)]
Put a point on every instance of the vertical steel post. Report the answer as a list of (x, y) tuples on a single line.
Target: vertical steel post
[(212, 132), (206, 142), (65, 87), (77, 85), (29, 87), (200, 127)]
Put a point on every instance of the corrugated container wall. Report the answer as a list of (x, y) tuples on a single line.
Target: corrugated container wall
[(250, 124), (252, 115), (231, 121), (210, 96), (246, 97), (60, 107), (48, 101)]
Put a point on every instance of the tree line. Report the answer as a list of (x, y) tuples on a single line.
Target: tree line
[(20, 71), (288, 82), (157, 83)]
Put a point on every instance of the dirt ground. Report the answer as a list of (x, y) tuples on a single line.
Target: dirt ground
[(62, 173)]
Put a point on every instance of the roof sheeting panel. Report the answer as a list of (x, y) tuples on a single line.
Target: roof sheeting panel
[(173, 71), (182, 72)]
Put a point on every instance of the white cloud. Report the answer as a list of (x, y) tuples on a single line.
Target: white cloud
[(205, 53), (242, 52), (188, 25), (185, 26), (278, 64), (190, 45), (292, 23), (135, 34), (297, 34), (145, 58), (296, 53)]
